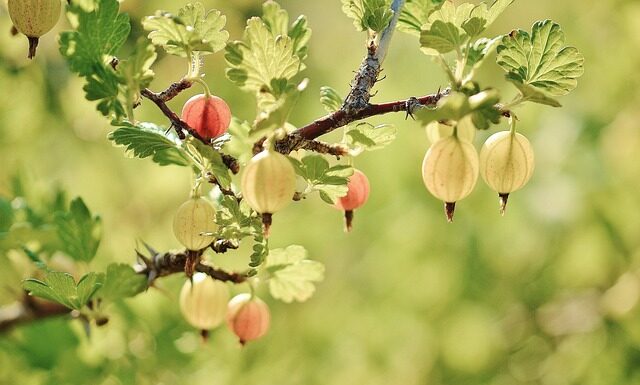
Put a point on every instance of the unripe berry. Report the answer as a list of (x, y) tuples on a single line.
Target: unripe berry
[(450, 171), (203, 303), (208, 116), (194, 222), (268, 184), (466, 130), (357, 195), (34, 18), (506, 163), (248, 317)]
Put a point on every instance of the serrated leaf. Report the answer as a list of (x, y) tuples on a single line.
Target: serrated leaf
[(540, 63), (331, 182), (292, 275), (275, 112), (193, 30), (479, 50), (214, 162), (369, 15), (135, 72), (457, 105), (415, 14), (260, 58), (121, 281), (441, 37), (535, 95), (330, 99), (366, 137), (79, 232), (61, 288), (240, 144), (99, 33), (148, 140)]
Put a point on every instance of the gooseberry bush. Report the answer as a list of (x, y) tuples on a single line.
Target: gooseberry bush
[(246, 172)]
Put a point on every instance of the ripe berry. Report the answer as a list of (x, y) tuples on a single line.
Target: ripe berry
[(506, 163), (450, 171), (34, 18), (248, 317), (466, 130), (203, 302), (357, 195), (193, 223), (268, 184), (208, 116)]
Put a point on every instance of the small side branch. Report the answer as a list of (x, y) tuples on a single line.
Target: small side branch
[(28, 310)]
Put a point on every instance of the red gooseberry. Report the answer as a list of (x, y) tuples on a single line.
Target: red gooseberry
[(209, 116), (357, 195)]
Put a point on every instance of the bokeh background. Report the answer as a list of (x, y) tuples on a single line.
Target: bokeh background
[(547, 294)]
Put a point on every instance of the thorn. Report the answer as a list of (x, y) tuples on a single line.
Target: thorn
[(449, 209), (381, 79), (149, 248), (410, 106), (503, 202), (142, 259), (348, 221)]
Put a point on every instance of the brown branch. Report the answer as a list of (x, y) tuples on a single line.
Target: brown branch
[(28, 310)]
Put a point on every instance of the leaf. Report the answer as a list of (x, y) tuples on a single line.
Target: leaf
[(61, 288), (148, 140), (98, 33), (192, 30), (330, 99), (458, 105), (79, 231), (240, 144), (292, 275), (479, 50), (277, 21), (275, 114), (6, 215), (369, 15), (440, 37), (135, 72), (415, 14), (366, 137), (330, 182), (121, 282), (214, 162), (539, 64), (261, 58)]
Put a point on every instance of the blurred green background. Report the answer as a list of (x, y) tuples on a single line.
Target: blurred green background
[(547, 294)]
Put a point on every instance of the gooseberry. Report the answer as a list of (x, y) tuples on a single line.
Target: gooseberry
[(34, 18), (248, 317), (268, 184), (506, 163), (450, 171), (465, 128), (194, 224), (357, 195), (203, 301), (209, 116)]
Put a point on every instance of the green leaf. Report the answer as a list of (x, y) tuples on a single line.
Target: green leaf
[(79, 231), (479, 50), (148, 140), (240, 144), (330, 182), (61, 288), (415, 14), (214, 162), (277, 21), (539, 64), (457, 105), (192, 30), (261, 58), (366, 137), (135, 72), (275, 113), (97, 34), (330, 99), (292, 275), (369, 15), (441, 37), (121, 282)]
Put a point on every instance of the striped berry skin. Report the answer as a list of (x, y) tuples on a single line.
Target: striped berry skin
[(193, 219), (248, 318), (209, 116), (203, 303), (268, 182), (358, 192)]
